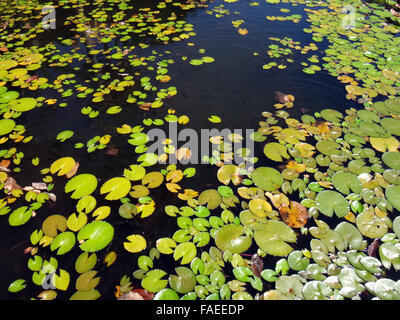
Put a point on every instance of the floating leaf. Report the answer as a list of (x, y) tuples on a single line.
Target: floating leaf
[(273, 236), (392, 194), (62, 166), (346, 182), (116, 188), (276, 151), (64, 242), (187, 251), (295, 216), (153, 280), (184, 281), (231, 238), (81, 185), (329, 201), (19, 216), (136, 243), (97, 235), (267, 179)]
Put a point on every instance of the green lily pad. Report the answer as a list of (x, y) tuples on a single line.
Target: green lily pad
[(166, 294), (346, 182), (276, 151), (64, 242), (211, 198), (350, 235), (331, 115), (23, 104), (17, 285), (85, 262), (117, 188), (328, 147), (153, 282), (370, 225), (20, 216), (267, 179), (184, 281), (81, 185), (329, 202), (97, 235), (187, 251), (273, 237), (392, 159), (392, 194), (231, 238), (6, 126)]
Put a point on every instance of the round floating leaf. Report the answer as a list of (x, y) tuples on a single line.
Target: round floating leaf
[(392, 159), (267, 179), (135, 173), (20, 216), (166, 294), (184, 281), (85, 262), (64, 135), (152, 281), (87, 281), (228, 173), (346, 182), (232, 238), (316, 290), (328, 147), (273, 237), (392, 194), (6, 126), (17, 285), (92, 294), (350, 235), (385, 289), (116, 188), (23, 104), (297, 261), (76, 223), (276, 151), (62, 166), (331, 115), (81, 185), (211, 197), (165, 245), (97, 235), (54, 223), (136, 243), (370, 225), (64, 242), (329, 201), (295, 216), (187, 251)]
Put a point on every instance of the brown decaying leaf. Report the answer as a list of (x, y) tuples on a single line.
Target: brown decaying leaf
[(112, 151), (257, 265), (281, 97), (295, 216), (73, 171), (137, 294), (373, 248), (11, 185), (145, 106)]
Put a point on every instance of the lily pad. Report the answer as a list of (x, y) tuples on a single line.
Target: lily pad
[(346, 182), (329, 202), (116, 188), (232, 238), (267, 179), (273, 238), (81, 185), (6, 126), (392, 159), (392, 194), (64, 242), (276, 151), (96, 235)]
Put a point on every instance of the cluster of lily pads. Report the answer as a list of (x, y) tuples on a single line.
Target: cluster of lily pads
[(318, 206)]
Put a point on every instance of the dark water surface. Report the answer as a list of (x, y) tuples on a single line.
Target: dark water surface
[(234, 87)]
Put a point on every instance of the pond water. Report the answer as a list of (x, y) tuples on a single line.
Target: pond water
[(234, 86)]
